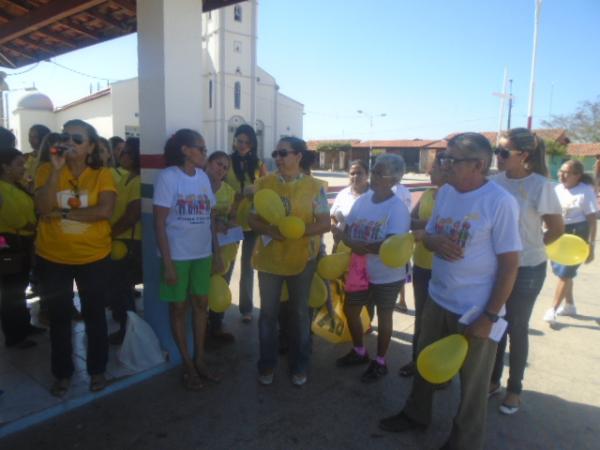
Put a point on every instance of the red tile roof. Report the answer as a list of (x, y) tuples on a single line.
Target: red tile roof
[(314, 144), (403, 143), (591, 149)]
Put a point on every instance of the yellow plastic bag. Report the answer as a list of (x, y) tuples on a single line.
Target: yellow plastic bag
[(336, 331)]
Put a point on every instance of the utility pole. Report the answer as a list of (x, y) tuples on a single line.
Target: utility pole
[(536, 24), (510, 103)]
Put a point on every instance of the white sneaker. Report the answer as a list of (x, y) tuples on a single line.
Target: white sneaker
[(550, 316), (266, 378), (566, 309), (299, 379)]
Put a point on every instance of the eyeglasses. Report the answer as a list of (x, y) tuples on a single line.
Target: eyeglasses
[(451, 160), (504, 153), (77, 138), (282, 153)]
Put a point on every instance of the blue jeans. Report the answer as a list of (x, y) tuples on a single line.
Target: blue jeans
[(527, 287), (299, 321)]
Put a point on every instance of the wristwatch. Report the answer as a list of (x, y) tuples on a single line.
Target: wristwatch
[(491, 316)]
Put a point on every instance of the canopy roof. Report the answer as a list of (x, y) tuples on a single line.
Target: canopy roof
[(35, 30)]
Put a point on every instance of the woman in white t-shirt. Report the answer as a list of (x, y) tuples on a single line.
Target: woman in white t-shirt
[(185, 232), (359, 184), (375, 216), (579, 206), (521, 158)]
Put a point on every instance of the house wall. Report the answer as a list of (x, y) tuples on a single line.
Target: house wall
[(97, 112)]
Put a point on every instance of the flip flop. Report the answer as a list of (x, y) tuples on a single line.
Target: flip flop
[(191, 381), (203, 372), (60, 387)]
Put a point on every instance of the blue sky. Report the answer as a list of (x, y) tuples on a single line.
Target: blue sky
[(430, 65)]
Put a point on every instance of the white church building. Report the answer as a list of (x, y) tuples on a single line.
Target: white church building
[(237, 91)]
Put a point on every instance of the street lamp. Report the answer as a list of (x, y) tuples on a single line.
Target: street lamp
[(370, 117)]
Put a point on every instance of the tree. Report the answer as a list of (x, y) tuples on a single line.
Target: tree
[(583, 125)]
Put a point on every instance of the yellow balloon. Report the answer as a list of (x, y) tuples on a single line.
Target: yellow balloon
[(439, 362), (331, 267), (396, 250), (228, 253), (285, 295), (243, 211), (568, 250), (219, 295), (291, 227), (342, 248), (269, 206), (118, 250), (318, 292)]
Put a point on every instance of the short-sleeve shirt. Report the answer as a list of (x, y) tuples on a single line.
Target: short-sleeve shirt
[(127, 192), (403, 194), (372, 222), (485, 223), (577, 202), (225, 197), (536, 198), (69, 241), (190, 200), (16, 209), (343, 203)]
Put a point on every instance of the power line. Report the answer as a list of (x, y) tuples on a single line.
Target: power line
[(24, 71), (79, 72)]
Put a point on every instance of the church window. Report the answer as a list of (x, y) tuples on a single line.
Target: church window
[(210, 94), (237, 13), (237, 95)]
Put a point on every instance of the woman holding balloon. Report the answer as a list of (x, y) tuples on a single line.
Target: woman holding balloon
[(578, 200), (521, 158), (278, 259), (376, 215), (245, 169)]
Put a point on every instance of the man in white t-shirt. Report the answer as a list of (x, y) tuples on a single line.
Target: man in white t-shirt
[(474, 233)]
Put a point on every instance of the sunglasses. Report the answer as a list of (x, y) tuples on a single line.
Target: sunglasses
[(281, 153), (504, 153), (77, 138), (450, 160)]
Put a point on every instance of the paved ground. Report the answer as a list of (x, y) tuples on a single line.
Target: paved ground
[(561, 402)]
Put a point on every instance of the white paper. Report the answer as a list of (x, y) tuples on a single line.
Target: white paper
[(235, 234), (498, 328), (266, 239)]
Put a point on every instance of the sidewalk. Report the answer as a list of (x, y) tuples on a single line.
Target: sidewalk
[(561, 401)]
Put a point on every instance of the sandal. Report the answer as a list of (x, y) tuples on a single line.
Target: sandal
[(203, 372), (191, 380), (98, 382), (60, 387)]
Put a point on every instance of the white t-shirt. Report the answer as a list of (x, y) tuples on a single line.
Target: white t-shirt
[(485, 223), (190, 200), (342, 205), (403, 194), (577, 202), (373, 222), (536, 198)]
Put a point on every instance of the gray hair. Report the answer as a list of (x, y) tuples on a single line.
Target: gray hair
[(393, 165), (475, 145)]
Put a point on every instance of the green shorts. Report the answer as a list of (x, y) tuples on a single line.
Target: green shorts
[(193, 277)]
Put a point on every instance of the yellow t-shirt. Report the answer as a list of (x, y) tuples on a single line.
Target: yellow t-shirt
[(118, 174), (422, 257), (69, 241), (16, 210), (31, 165), (225, 198), (233, 181), (127, 192)]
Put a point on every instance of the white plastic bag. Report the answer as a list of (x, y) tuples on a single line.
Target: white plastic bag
[(140, 349)]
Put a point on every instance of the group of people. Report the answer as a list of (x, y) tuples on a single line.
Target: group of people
[(479, 258), (62, 207)]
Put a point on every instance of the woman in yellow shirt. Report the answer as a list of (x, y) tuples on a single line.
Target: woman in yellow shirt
[(127, 228), (17, 226), (75, 197), (245, 169), (217, 167), (294, 261), (422, 258)]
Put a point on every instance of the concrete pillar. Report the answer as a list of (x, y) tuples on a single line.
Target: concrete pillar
[(170, 97)]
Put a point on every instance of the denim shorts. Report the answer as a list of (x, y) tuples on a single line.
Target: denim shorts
[(582, 230), (381, 295)]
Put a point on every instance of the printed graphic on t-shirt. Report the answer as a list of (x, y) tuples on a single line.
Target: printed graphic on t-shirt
[(459, 231), (192, 208), (368, 230), (69, 199)]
